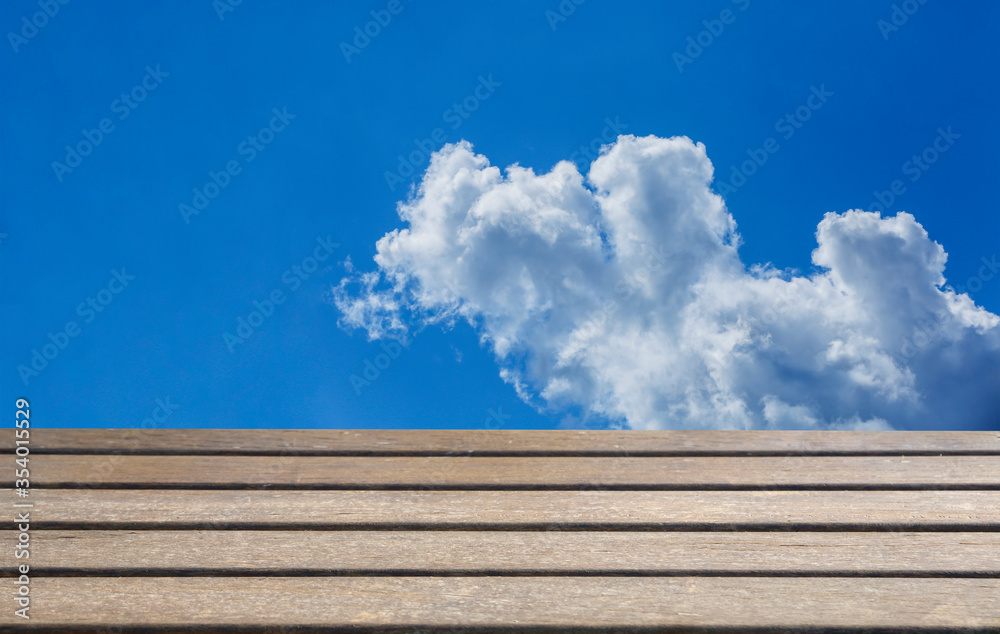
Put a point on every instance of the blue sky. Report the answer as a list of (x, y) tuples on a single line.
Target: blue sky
[(304, 146)]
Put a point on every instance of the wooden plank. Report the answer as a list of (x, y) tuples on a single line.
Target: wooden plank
[(507, 510), (829, 472), (164, 553), (747, 604), (508, 442)]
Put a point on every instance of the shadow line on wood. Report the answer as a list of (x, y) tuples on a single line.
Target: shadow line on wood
[(244, 486), (945, 527), (42, 571)]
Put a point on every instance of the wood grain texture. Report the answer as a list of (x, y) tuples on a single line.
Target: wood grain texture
[(563, 602), (497, 530), (828, 472), (514, 552), (508, 442), (654, 510)]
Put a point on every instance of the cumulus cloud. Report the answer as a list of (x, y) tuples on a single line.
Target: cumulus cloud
[(622, 295)]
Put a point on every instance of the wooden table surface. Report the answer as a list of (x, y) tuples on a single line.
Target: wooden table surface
[(354, 530)]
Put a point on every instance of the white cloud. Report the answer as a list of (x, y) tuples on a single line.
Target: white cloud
[(624, 296)]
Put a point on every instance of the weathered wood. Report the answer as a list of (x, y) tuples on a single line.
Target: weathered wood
[(506, 442), (829, 472), (515, 552), (654, 510), (555, 602), (736, 531)]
